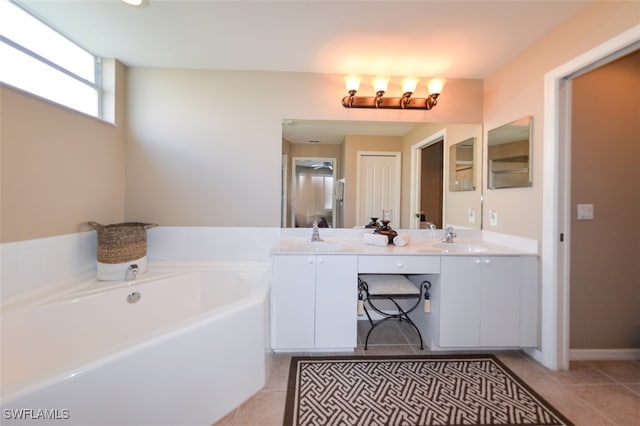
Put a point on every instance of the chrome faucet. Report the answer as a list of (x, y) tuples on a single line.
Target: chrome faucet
[(448, 235), (315, 237), (132, 272)]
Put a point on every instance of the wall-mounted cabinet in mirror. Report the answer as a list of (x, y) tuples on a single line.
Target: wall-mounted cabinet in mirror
[(461, 166), (509, 155)]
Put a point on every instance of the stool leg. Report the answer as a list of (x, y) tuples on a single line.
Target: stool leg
[(404, 314), (401, 315), (417, 330), (373, 326)]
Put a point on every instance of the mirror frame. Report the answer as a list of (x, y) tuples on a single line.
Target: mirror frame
[(512, 163)]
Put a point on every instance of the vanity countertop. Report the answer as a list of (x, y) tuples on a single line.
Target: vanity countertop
[(421, 247)]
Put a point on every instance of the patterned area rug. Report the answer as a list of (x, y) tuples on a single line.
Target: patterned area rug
[(412, 391)]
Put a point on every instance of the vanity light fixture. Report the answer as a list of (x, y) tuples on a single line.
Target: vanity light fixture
[(406, 101), (135, 3)]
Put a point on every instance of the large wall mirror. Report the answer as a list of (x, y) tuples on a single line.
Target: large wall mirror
[(509, 155), (321, 182)]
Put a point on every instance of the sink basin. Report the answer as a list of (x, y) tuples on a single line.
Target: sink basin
[(460, 248), (318, 246)]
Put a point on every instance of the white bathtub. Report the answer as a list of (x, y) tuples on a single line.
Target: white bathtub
[(186, 353)]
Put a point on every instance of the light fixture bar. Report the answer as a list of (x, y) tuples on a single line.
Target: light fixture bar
[(382, 102), (135, 3), (406, 101)]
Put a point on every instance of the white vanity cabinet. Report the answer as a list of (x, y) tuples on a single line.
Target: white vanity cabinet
[(488, 301), (314, 300)]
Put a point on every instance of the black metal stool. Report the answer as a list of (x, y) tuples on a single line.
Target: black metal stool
[(374, 287)]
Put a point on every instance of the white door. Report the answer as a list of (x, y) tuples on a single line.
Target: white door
[(378, 188)]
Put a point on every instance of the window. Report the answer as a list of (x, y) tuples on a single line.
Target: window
[(38, 59)]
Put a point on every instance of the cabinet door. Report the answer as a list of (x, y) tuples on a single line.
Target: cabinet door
[(500, 312), (293, 302), (460, 300), (480, 301), (336, 301)]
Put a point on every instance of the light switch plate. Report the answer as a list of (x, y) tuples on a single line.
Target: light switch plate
[(472, 215), (585, 211)]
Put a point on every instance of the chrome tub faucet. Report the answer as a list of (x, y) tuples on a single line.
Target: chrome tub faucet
[(132, 272)]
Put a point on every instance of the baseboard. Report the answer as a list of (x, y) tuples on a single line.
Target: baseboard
[(603, 354)]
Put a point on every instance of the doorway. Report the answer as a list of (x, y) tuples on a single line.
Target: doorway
[(431, 184), (604, 290), (427, 182), (556, 212)]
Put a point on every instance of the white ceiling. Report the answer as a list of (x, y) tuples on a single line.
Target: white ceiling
[(429, 38), (454, 39)]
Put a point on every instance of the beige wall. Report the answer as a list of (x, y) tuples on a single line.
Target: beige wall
[(517, 89), (194, 135), (605, 172), (59, 168)]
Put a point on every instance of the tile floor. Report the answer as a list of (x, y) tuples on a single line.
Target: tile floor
[(590, 393)]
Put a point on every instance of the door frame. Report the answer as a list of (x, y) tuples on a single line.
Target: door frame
[(398, 164), (284, 215), (556, 211), (416, 167)]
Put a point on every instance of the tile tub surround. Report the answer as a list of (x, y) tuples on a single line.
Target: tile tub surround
[(32, 265), (602, 393)]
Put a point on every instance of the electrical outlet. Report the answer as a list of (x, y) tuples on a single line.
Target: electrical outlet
[(472, 215), (493, 218)]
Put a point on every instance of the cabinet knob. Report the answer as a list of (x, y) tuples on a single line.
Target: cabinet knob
[(310, 261), (487, 261), (477, 261), (321, 260), (399, 265)]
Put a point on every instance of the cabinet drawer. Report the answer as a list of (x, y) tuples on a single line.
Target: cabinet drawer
[(399, 264)]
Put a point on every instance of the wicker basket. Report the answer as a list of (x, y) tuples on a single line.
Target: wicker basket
[(122, 242)]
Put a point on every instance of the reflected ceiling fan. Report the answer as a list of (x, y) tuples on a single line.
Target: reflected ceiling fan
[(323, 165)]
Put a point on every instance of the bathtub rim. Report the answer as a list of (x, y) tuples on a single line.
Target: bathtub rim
[(257, 296), (156, 270)]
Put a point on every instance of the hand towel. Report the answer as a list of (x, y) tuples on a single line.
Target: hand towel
[(402, 239), (375, 239)]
